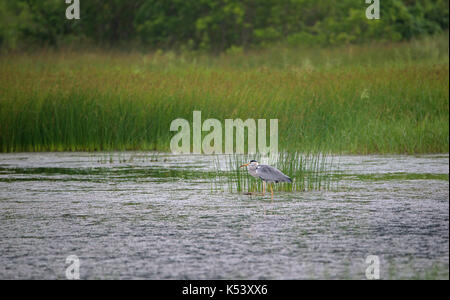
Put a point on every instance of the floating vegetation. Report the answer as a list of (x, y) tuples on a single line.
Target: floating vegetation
[(129, 157)]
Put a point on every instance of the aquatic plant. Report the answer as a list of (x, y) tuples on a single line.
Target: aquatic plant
[(308, 171)]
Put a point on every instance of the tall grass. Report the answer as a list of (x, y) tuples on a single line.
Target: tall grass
[(378, 98), (308, 171)]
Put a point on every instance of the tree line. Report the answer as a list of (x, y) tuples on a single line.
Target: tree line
[(215, 25)]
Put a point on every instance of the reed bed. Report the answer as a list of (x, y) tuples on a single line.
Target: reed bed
[(377, 98), (308, 171)]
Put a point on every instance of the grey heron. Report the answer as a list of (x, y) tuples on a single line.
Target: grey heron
[(266, 174)]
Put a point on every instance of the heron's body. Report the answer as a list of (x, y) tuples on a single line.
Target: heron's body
[(266, 174)]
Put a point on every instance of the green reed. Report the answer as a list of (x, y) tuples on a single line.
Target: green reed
[(375, 98), (308, 171)]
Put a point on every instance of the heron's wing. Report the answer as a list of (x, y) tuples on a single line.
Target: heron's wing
[(269, 173)]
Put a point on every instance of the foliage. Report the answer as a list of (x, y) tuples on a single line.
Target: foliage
[(215, 25)]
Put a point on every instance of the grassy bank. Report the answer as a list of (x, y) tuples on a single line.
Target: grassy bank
[(379, 98)]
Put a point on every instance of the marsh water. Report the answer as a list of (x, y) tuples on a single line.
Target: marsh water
[(150, 215)]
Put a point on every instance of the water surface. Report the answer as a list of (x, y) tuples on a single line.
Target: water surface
[(157, 216)]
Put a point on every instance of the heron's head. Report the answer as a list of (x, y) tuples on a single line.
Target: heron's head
[(252, 163)]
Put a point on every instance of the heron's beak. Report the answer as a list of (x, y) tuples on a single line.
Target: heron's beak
[(244, 165)]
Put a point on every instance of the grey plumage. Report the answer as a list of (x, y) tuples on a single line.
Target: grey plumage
[(266, 173), (271, 174)]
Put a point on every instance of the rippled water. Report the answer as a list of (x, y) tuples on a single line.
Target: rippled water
[(155, 216)]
